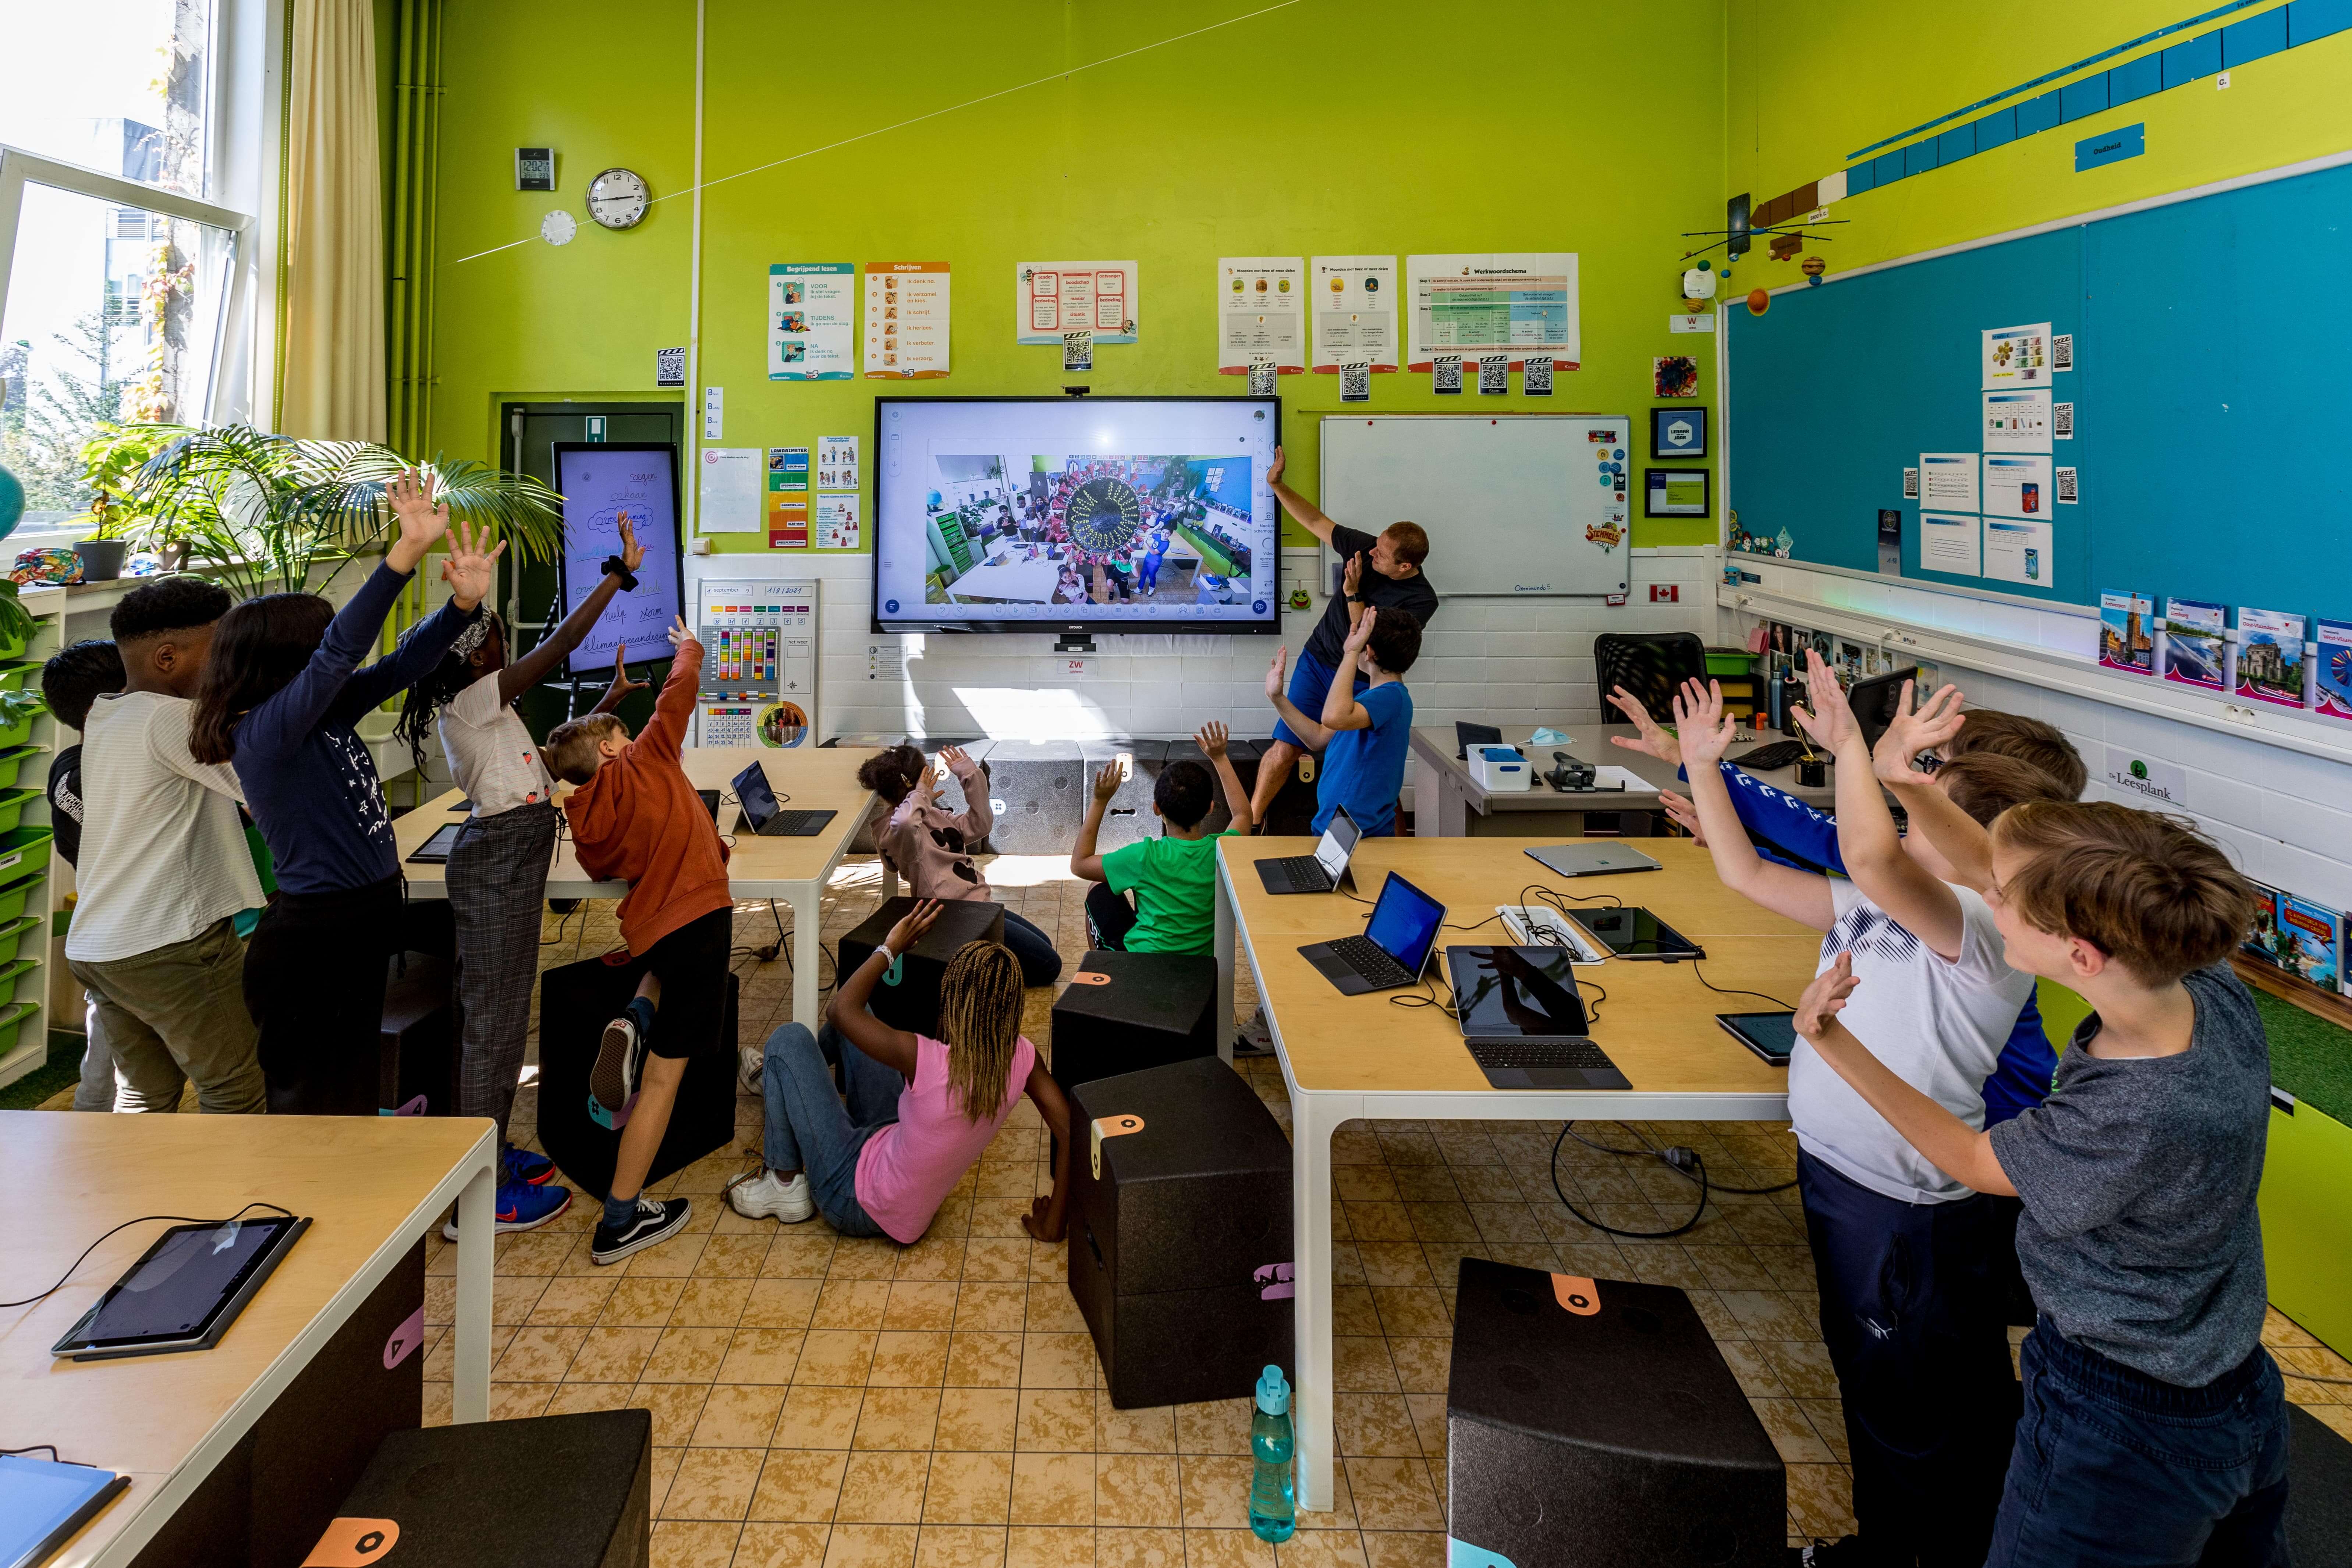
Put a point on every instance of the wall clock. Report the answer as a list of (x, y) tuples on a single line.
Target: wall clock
[(617, 198)]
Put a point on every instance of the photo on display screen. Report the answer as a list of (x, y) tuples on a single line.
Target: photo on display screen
[(600, 483), (1106, 514)]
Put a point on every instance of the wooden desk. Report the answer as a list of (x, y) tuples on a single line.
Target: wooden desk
[(1448, 803), (793, 869), (373, 1185), (1346, 1058)]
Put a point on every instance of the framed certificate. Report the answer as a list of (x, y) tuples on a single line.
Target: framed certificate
[(1678, 432)]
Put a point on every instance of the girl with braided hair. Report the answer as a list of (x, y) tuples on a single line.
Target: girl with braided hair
[(920, 1112), (931, 846)]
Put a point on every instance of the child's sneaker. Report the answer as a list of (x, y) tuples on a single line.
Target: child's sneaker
[(522, 1206), (620, 1056), (524, 1165), (769, 1197), (751, 1070), (654, 1221)]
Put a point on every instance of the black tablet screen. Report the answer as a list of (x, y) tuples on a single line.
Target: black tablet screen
[(190, 1272)]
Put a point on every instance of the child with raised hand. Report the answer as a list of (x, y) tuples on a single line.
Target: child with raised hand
[(930, 847), (635, 818), (1172, 877), (1904, 1255), (497, 868), (1364, 736), (281, 694), (919, 1110), (2156, 1425)]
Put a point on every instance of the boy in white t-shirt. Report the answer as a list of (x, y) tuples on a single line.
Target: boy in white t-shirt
[(1904, 1255)]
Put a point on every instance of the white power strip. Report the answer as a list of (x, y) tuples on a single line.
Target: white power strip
[(1540, 925)]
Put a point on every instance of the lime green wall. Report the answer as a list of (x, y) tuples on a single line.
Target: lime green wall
[(1316, 129), (1813, 80)]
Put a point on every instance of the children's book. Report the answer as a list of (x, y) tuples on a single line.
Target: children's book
[(2308, 945), (2127, 633), (2331, 687), (2196, 647), (2270, 656), (2262, 941)]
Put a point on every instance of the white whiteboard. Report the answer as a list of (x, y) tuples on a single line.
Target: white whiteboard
[(1513, 503)]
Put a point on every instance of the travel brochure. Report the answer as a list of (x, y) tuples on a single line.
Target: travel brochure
[(2126, 633), (2333, 678), (2196, 645), (2270, 656)]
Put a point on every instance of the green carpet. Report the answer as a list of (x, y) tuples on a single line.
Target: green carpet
[(2311, 1059), (62, 1071)]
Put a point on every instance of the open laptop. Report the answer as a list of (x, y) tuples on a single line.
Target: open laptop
[(764, 816), (1393, 948), (1321, 872), (1524, 1021), (1594, 857)]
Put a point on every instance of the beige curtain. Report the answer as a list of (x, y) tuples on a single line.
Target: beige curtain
[(331, 369)]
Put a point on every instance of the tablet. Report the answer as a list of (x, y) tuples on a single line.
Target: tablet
[(435, 851), (1771, 1036), (185, 1291), (1633, 931)]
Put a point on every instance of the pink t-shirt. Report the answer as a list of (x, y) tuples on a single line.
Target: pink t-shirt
[(906, 1170)]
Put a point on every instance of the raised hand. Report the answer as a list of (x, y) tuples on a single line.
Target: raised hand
[(1107, 783), (1650, 738), (912, 925), (632, 552), (622, 684), (680, 633), (1705, 728), (1360, 632), (955, 759), (1274, 469), (1825, 714), (1352, 577), (471, 566), (1938, 720), (1274, 680), (1211, 738), (422, 515), (1683, 815), (1824, 999)]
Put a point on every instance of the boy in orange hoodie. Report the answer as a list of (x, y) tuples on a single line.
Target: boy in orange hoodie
[(635, 817)]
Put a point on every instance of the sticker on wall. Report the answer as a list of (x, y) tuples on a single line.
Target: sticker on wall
[(1445, 375), (2062, 422), (2066, 481), (1673, 375), (1910, 484), (1356, 382), (1078, 350), (1494, 375), (669, 367), (1262, 372), (1536, 380), (1460, 1553), (2062, 351)]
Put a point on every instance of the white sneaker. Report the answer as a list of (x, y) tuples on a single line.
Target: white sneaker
[(751, 1069), (769, 1196)]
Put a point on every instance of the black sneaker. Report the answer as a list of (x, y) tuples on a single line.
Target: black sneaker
[(655, 1221), (1845, 1552)]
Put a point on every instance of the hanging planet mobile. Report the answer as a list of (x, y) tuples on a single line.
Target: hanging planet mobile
[(1103, 516)]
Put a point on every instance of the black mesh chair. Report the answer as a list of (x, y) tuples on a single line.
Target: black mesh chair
[(1651, 665)]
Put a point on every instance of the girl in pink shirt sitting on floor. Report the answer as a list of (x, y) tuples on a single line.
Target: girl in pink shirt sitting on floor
[(920, 1112)]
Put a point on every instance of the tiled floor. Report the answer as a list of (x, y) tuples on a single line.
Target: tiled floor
[(840, 1403)]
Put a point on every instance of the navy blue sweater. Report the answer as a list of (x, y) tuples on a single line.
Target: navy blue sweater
[(307, 778)]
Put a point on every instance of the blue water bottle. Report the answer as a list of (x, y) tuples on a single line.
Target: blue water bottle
[(1274, 1499)]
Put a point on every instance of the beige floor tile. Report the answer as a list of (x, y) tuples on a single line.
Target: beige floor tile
[(1058, 1361), (713, 1483), (609, 1355), (992, 1306), (1322, 1549), (1046, 1547), (1215, 1491), (921, 1304), (1423, 1366), (938, 1256), (883, 1489), (1056, 1420), (1054, 1489), (1217, 1426), (681, 1544), (1374, 1424), (760, 1355), (713, 1303), (738, 1416), (818, 1418), (781, 1303), (688, 1355), (573, 1301), (969, 1489), (519, 1400), (1393, 1494), (538, 1355), (1138, 1490), (900, 1418), (676, 1407), (781, 1546), (799, 1485), (905, 1358), (1226, 1549), (1149, 1430), (961, 1546), (983, 1359), (1397, 1549), (851, 1304), (838, 1356), (871, 1546)]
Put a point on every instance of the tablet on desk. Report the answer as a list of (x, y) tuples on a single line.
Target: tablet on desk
[(1633, 931), (1771, 1036), (435, 851), (185, 1291)]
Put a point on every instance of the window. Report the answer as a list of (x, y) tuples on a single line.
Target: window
[(130, 230)]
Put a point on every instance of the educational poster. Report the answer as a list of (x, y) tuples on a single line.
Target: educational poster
[(1354, 314), (836, 463), (726, 499), (1261, 313), (905, 320), (2270, 656), (812, 321), (1947, 481), (2196, 646), (788, 483), (2016, 356), (836, 522), (2017, 550), (2016, 486), (2332, 682), (1517, 303), (2017, 420), (1051, 299), (1950, 544)]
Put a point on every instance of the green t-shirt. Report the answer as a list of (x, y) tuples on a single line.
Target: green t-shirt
[(1175, 883)]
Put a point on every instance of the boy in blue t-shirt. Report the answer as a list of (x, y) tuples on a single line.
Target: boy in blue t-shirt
[(1363, 735)]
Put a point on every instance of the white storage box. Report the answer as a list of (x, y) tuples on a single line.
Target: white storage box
[(1500, 768)]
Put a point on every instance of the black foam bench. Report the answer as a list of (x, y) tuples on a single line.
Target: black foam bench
[(575, 1002)]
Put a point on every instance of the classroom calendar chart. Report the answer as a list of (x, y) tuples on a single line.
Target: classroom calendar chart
[(905, 320), (1052, 299), (1261, 313), (758, 672), (1354, 314), (812, 321), (1514, 303)]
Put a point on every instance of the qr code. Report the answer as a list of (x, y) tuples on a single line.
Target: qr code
[(1261, 378), (2066, 485), (1356, 382), (2062, 421), (2062, 351), (1446, 373), (1078, 350), (1494, 375), (1537, 380), (1910, 484), (669, 367)]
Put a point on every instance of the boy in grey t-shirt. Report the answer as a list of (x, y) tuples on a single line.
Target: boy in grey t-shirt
[(2155, 1424)]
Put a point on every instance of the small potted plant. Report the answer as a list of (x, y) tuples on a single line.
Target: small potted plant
[(111, 461)]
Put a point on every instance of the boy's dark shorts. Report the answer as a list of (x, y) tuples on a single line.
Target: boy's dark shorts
[(691, 962)]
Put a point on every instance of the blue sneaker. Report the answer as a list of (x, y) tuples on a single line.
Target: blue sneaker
[(620, 1059), (524, 1165), (522, 1206)]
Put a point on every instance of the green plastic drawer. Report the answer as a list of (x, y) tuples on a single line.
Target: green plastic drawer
[(17, 734), (24, 850), (12, 806), (14, 646), (20, 938), (12, 970), (12, 761), (20, 674), (1730, 661), (16, 895), (14, 1016)]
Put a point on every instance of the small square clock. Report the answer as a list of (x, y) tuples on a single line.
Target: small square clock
[(1678, 432), (534, 168)]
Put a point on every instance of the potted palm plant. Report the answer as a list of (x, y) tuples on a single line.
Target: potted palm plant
[(260, 511)]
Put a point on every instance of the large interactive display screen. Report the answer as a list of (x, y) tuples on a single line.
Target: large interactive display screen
[(1059, 513), (600, 483)]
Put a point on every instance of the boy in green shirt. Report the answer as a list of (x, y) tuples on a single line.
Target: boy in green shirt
[(1175, 876)]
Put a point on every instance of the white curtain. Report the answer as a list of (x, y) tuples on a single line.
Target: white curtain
[(330, 381)]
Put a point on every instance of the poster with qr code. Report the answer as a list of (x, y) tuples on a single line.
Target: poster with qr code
[(1512, 303), (1445, 375), (1261, 310), (669, 367), (1494, 375), (1535, 382), (1356, 382), (1353, 311), (1053, 298), (1078, 350), (2062, 422)]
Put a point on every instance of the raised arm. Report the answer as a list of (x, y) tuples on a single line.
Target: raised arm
[(977, 814), (1211, 738), (1306, 513), (1085, 864), (665, 733), (893, 1048), (1785, 825), (1340, 709), (1310, 731), (536, 666), (621, 685), (281, 723), (1874, 853), (1705, 733), (1957, 836)]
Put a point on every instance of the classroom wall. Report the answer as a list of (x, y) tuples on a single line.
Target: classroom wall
[(1303, 131)]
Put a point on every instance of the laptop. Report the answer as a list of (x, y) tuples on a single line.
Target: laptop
[(1393, 949), (1596, 858), (1321, 872), (1524, 1021), (768, 819)]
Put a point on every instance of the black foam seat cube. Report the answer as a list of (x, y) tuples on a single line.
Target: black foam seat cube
[(417, 1054), (1180, 1232), (575, 1002), (1042, 787), (912, 1002), (1125, 1012), (555, 1492), (1594, 1422)]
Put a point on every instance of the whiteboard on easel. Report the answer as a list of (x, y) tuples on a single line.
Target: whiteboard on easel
[(1518, 504)]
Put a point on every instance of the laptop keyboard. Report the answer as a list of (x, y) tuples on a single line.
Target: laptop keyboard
[(1304, 873), (1370, 960), (794, 824), (1560, 1051), (1777, 754)]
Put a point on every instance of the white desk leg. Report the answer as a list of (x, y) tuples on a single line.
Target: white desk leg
[(805, 900), (1428, 797), (1223, 1007), (1313, 1119), (476, 1248)]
